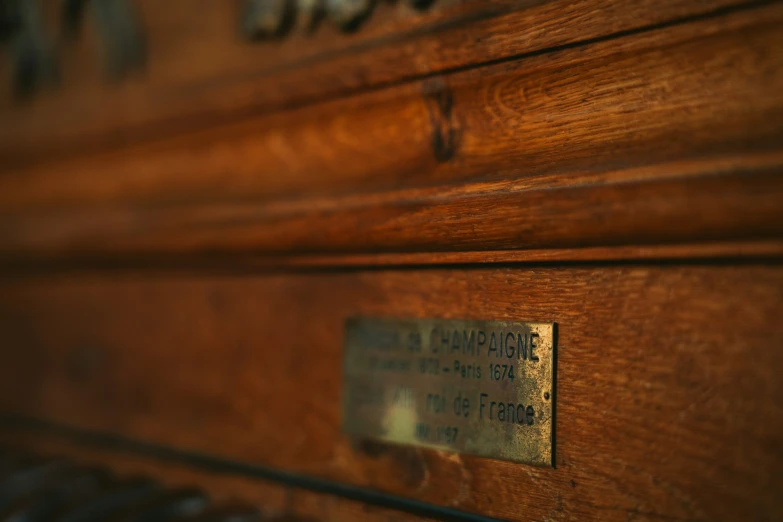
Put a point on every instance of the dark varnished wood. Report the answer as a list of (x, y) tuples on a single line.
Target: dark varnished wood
[(668, 398), (231, 77)]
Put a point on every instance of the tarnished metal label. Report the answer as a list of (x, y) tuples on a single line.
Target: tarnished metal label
[(480, 387)]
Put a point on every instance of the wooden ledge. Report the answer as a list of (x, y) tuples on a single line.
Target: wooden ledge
[(702, 212)]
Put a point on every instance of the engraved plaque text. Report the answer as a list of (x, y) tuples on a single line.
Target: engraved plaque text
[(480, 387)]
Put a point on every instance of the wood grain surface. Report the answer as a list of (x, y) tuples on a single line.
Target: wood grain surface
[(668, 136), (675, 94), (668, 389), (233, 78)]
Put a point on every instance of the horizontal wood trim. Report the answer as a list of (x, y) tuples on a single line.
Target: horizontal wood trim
[(740, 252), (674, 94), (695, 252), (668, 396), (232, 78), (730, 204)]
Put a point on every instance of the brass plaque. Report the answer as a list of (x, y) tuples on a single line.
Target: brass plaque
[(480, 387)]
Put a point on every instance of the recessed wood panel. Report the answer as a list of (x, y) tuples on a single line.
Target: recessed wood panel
[(667, 379)]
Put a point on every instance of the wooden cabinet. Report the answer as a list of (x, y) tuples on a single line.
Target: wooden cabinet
[(181, 246)]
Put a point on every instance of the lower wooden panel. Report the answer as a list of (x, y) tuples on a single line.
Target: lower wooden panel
[(668, 390)]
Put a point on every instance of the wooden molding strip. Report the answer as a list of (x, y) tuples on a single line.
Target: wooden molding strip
[(689, 252), (738, 252), (735, 205)]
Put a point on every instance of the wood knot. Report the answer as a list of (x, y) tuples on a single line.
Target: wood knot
[(445, 128)]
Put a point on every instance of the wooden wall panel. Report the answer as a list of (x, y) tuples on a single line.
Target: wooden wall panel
[(230, 77), (668, 402)]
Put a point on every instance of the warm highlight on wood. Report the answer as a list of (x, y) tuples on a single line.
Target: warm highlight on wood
[(702, 89), (718, 206), (232, 77)]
